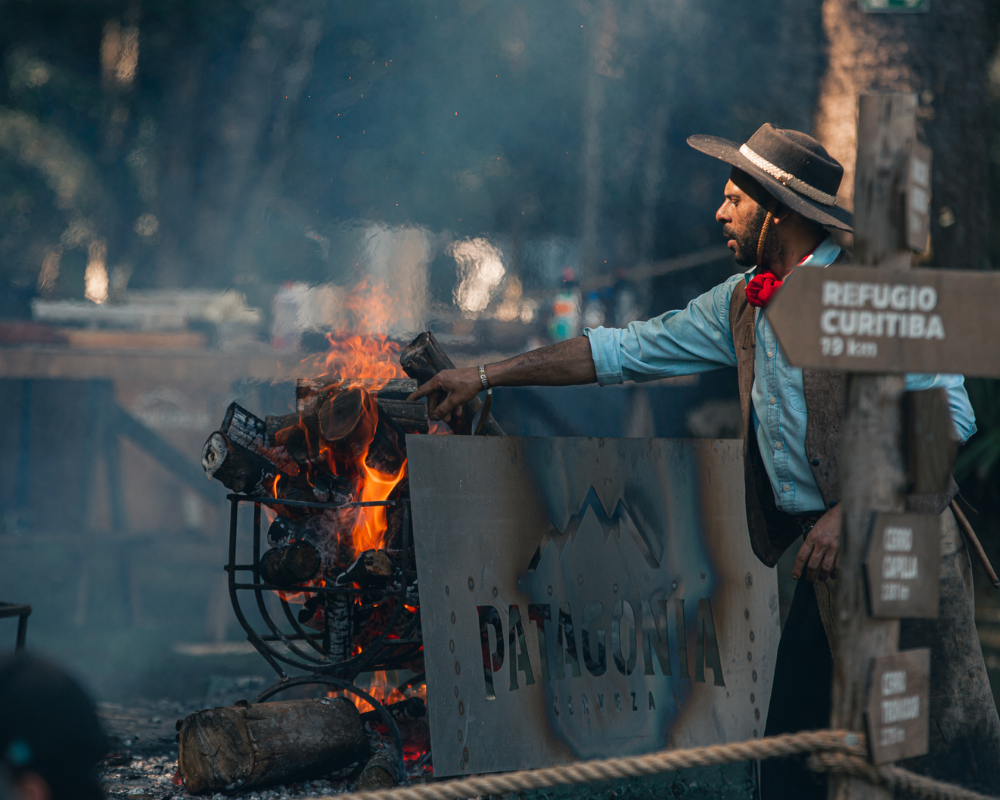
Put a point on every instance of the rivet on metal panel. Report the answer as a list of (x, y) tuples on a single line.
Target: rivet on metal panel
[(447, 590), (580, 580), (452, 617), (751, 636), (754, 676), (495, 591), (752, 699), (472, 583), (458, 668), (465, 753), (461, 708), (756, 713), (746, 613), (755, 732), (673, 585), (456, 690), (615, 588), (749, 658), (749, 580), (451, 646), (550, 591), (460, 737)]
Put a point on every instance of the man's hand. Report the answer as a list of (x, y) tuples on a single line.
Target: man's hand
[(449, 391), (818, 555)]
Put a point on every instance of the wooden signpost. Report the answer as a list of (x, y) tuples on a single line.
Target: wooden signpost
[(897, 706), (903, 566), (896, 321)]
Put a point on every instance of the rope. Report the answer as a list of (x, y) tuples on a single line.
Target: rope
[(895, 779), (629, 766), (837, 751)]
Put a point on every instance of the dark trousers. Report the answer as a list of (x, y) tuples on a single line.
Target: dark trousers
[(800, 698)]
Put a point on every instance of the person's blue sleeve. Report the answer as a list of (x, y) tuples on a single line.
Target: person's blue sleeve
[(682, 342), (962, 415)]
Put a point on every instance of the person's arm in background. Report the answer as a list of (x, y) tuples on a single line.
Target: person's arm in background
[(962, 415), (694, 339)]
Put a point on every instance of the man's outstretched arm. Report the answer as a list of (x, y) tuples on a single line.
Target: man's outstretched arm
[(564, 364)]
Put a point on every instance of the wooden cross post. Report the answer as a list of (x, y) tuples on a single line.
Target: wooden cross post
[(873, 472)]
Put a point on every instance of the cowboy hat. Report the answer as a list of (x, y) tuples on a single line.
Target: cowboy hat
[(792, 167)]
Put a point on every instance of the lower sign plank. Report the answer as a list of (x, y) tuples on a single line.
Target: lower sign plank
[(904, 566), (860, 319), (898, 706)]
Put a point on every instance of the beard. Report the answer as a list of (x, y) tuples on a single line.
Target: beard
[(747, 239)]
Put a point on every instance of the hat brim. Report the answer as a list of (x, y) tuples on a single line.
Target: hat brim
[(729, 152)]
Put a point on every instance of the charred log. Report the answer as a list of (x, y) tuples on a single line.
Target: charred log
[(290, 565), (409, 416), (422, 359), (408, 710), (239, 747), (238, 469), (311, 393), (283, 529), (385, 453), (372, 568), (379, 773)]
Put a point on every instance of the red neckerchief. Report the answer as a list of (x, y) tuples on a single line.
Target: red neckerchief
[(761, 288)]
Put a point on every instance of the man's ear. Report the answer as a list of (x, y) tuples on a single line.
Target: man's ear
[(780, 213)]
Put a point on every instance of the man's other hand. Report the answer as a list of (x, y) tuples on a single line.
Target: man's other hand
[(449, 391), (817, 557)]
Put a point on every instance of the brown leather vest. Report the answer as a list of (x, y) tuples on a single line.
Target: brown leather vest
[(772, 530)]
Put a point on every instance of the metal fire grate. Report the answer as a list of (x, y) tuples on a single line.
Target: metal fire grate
[(288, 643)]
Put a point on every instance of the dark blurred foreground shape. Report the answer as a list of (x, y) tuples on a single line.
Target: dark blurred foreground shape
[(50, 735)]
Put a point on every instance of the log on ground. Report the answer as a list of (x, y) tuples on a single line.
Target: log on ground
[(240, 747)]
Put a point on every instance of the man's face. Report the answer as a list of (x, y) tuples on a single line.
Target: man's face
[(742, 218)]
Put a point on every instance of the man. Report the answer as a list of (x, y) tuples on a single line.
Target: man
[(778, 204)]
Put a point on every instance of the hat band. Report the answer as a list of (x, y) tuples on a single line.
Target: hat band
[(787, 178)]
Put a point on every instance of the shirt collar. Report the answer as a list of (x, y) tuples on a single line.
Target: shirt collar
[(824, 255)]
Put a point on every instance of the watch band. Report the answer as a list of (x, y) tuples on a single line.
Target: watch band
[(482, 376)]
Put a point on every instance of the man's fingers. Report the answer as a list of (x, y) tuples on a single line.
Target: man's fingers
[(424, 390), (812, 569), (800, 560), (828, 565)]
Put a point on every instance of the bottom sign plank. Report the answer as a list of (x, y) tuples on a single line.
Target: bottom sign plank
[(898, 706)]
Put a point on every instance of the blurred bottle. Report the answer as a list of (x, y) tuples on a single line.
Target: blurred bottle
[(593, 311), (565, 321)]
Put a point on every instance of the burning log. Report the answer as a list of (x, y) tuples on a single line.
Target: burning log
[(372, 568), (244, 746), (408, 710), (311, 393), (409, 416), (238, 469), (379, 773), (283, 529), (290, 565), (348, 420), (422, 359)]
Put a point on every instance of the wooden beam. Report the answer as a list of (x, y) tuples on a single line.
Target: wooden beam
[(871, 457)]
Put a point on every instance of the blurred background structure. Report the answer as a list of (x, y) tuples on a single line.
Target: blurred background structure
[(194, 195)]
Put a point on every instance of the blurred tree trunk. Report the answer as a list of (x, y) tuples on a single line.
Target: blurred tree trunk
[(253, 125), (941, 56)]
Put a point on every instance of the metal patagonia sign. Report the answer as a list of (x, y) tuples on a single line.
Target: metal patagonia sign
[(582, 598)]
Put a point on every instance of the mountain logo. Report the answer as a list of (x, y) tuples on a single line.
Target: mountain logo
[(615, 524)]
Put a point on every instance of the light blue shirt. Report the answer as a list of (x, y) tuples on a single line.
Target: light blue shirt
[(698, 339)]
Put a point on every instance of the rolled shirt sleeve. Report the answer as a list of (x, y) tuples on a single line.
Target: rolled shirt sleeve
[(693, 339), (962, 415)]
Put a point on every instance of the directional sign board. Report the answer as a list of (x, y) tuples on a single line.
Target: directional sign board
[(898, 706), (858, 319), (904, 566)]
